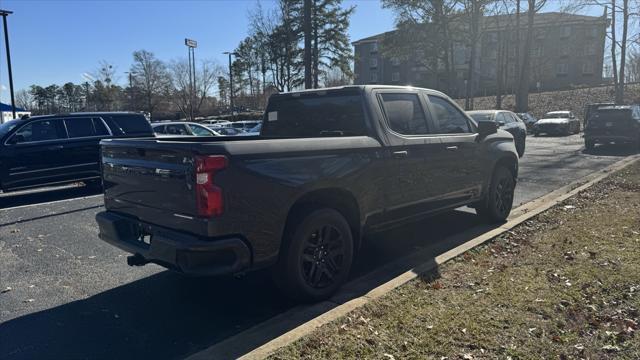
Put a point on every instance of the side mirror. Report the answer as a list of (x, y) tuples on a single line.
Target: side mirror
[(486, 128), (500, 123)]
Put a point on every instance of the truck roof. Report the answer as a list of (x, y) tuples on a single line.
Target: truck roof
[(356, 87)]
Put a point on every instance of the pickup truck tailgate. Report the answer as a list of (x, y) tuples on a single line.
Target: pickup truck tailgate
[(143, 174)]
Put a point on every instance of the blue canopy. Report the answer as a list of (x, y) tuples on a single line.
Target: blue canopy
[(7, 108)]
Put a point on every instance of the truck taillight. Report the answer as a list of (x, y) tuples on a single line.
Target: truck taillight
[(208, 195)]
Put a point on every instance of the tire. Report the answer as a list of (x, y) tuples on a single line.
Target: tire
[(536, 134), (520, 147), (316, 256), (496, 206), (589, 144)]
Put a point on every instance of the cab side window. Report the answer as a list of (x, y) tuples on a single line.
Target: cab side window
[(448, 119), (404, 113), (42, 130)]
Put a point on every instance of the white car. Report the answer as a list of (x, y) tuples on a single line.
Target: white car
[(182, 129), (557, 123), (217, 123)]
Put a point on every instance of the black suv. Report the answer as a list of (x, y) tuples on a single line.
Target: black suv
[(58, 149), (618, 124)]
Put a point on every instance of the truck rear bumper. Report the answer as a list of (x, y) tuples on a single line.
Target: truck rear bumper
[(178, 251)]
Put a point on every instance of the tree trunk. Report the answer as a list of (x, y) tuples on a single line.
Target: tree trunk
[(522, 94), (623, 52), (316, 55), (307, 45), (614, 62), (475, 22)]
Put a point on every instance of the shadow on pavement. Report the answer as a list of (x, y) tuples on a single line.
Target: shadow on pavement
[(43, 195), (168, 316), (613, 150)]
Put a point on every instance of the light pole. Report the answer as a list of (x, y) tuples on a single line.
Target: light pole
[(191, 45), (4, 14), (230, 82)]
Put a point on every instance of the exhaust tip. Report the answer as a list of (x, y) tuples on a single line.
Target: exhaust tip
[(136, 260)]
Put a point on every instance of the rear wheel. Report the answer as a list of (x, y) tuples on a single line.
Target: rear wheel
[(499, 199), (316, 256)]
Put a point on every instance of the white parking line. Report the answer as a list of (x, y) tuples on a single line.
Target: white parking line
[(50, 202)]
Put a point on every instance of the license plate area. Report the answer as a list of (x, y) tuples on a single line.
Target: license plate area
[(144, 237)]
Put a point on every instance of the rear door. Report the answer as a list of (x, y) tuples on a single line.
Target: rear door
[(35, 154), (460, 158), (410, 187), (82, 148)]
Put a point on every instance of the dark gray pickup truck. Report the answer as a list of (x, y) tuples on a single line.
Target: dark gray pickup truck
[(329, 166)]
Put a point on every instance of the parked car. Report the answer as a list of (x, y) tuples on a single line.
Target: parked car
[(613, 124), (589, 108), (528, 120), (557, 123), (217, 122), (255, 131), (228, 131), (183, 128), (245, 125), (506, 120), (330, 166), (57, 149)]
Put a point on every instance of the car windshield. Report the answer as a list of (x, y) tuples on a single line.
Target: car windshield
[(557, 115), (482, 116)]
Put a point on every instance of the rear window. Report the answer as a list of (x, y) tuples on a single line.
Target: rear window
[(129, 125), (612, 114), (315, 115)]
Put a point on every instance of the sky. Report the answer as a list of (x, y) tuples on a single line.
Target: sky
[(57, 41)]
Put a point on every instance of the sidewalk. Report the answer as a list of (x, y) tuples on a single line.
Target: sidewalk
[(565, 284)]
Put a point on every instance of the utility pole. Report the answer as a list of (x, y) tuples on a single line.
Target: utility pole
[(191, 45), (230, 82), (4, 14)]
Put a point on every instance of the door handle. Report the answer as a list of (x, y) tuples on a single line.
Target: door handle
[(452, 148), (400, 154), (55, 147)]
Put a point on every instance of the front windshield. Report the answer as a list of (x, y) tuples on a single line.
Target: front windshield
[(557, 116), (482, 117), (6, 127)]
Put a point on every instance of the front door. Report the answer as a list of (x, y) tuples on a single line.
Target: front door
[(34, 154), (461, 156)]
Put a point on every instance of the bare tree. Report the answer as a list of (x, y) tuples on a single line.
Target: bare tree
[(150, 79), (524, 78), (24, 99), (207, 76)]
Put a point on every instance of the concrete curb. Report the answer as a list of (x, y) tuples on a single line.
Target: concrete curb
[(311, 317)]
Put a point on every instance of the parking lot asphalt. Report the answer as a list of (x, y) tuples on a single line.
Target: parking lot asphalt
[(66, 294)]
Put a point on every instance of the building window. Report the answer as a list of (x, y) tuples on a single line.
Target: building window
[(562, 69), (511, 70), (564, 51), (395, 76), (374, 47), (374, 77), (539, 34), (395, 61), (373, 62), (492, 54), (590, 49), (593, 32), (587, 68), (565, 31), (536, 51)]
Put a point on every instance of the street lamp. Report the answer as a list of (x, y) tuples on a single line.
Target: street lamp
[(231, 81), (191, 45), (4, 14)]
